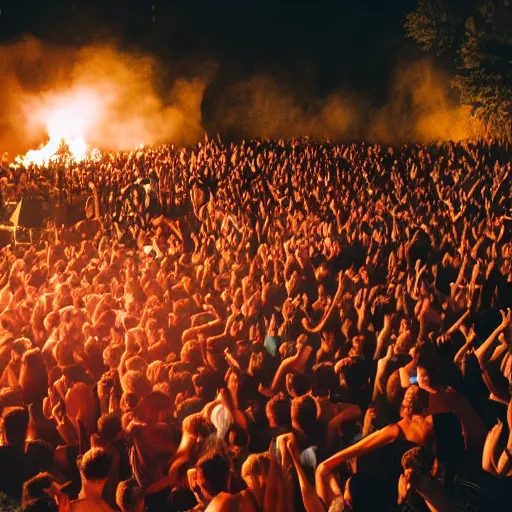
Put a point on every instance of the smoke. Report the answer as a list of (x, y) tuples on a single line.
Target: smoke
[(101, 93), (260, 107), (420, 109), (114, 100)]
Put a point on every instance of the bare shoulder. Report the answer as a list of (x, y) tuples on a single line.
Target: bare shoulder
[(224, 502), (87, 505)]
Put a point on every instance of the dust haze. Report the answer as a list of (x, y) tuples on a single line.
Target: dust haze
[(419, 108), (112, 96)]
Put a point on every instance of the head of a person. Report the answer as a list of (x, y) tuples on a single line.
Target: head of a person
[(40, 453), (213, 473), (191, 353), (185, 407), (255, 468), (109, 428), (278, 411), (237, 440), (427, 365), (95, 466), (33, 376), (37, 487), (205, 384), (297, 384), (417, 461), (353, 374), (137, 383), (363, 346), (196, 425), (415, 403), (305, 413), (130, 496), (256, 363), (156, 372), (15, 422), (181, 382), (155, 407), (325, 380)]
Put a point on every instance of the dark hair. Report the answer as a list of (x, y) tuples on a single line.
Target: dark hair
[(305, 413), (40, 454), (180, 382), (214, 469), (95, 465), (237, 436), (109, 427), (9, 398), (426, 357), (36, 486), (205, 383), (279, 409), (128, 495), (43, 504), (324, 379), (419, 459), (188, 407), (354, 372), (15, 423), (299, 384)]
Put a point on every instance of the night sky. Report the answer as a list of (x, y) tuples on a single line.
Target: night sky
[(315, 48)]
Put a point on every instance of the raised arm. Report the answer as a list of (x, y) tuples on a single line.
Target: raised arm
[(311, 500), (323, 475)]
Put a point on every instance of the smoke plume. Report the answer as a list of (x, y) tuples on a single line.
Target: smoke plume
[(260, 107), (110, 98), (420, 109), (101, 93)]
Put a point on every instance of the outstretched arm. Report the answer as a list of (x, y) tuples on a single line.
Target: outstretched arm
[(323, 475)]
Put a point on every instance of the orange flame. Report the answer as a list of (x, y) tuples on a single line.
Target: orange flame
[(68, 118)]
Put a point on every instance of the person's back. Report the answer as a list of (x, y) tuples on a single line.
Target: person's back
[(90, 505), (13, 461), (450, 400)]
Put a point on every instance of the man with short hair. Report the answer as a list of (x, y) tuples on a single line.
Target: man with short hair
[(94, 469)]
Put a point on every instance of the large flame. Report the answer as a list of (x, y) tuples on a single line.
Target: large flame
[(68, 117)]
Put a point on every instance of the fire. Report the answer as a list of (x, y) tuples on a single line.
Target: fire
[(68, 117)]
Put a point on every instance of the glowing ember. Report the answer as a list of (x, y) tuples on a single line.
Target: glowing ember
[(68, 117)]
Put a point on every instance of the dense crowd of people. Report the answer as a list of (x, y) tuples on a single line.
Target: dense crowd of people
[(268, 326)]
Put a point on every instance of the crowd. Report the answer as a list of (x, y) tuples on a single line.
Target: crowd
[(269, 326)]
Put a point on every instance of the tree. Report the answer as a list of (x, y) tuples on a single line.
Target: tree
[(474, 37)]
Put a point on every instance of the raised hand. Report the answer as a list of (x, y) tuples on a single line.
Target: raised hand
[(506, 318)]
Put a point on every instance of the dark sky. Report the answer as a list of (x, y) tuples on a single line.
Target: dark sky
[(317, 45)]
